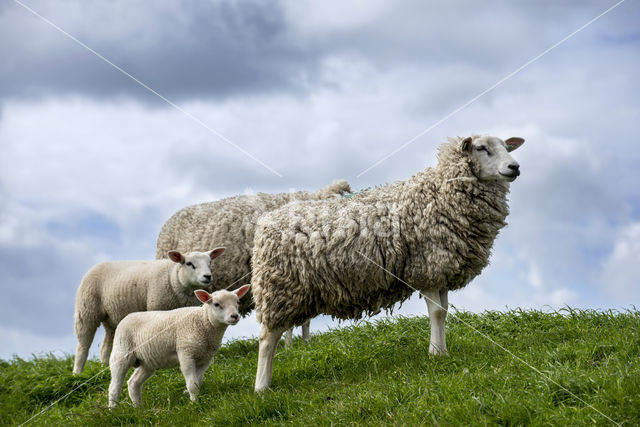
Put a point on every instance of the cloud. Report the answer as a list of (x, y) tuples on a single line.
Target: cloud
[(621, 268), (180, 49), (90, 169)]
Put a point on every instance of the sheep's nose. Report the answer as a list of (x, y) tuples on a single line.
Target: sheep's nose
[(207, 277), (515, 167), (234, 317)]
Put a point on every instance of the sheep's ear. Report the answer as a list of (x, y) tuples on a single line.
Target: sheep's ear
[(176, 256), (514, 142), (240, 292), (215, 253), (465, 144), (203, 296)]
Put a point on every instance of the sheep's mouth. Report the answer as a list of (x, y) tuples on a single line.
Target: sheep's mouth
[(510, 176)]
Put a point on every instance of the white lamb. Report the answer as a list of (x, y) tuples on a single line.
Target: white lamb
[(188, 336), (111, 290)]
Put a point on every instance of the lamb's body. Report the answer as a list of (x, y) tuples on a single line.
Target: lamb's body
[(188, 337), (230, 222), (349, 257), (111, 290)]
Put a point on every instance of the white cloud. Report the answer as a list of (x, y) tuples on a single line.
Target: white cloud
[(620, 280), (83, 179)]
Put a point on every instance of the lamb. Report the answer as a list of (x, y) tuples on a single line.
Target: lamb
[(231, 222), (188, 337), (355, 256), (111, 290)]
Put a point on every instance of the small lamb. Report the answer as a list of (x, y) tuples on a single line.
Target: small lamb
[(188, 336), (111, 290)]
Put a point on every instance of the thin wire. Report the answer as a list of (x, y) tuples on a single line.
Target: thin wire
[(177, 107), (492, 87), (521, 360)]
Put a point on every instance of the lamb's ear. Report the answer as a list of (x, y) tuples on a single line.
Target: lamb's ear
[(240, 292), (465, 144), (203, 296), (215, 253), (514, 142), (176, 256)]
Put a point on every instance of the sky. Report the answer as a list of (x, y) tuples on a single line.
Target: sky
[(239, 97)]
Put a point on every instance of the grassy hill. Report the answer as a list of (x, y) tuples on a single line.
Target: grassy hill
[(374, 373)]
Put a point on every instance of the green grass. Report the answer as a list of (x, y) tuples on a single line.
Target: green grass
[(371, 374)]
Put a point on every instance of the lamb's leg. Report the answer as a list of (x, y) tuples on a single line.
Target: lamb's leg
[(140, 375), (85, 330), (190, 373), (437, 307), (200, 370), (268, 343), (305, 330), (288, 337), (107, 343), (119, 370)]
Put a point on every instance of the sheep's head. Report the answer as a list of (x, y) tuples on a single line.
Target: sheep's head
[(195, 269), (222, 306), (490, 157)]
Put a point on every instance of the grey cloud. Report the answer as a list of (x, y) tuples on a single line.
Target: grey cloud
[(181, 49)]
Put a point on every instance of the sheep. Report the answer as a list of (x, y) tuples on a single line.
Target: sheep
[(188, 337), (355, 256), (111, 290), (231, 222)]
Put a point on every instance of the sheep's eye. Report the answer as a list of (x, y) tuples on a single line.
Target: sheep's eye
[(483, 148), (217, 304), (191, 265)]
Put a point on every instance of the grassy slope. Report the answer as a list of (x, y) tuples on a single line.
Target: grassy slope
[(374, 374)]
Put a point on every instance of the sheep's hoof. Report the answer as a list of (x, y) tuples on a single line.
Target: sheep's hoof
[(438, 352)]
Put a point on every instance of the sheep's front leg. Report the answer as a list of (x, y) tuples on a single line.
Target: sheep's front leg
[(190, 373), (437, 305), (305, 330), (267, 349), (140, 375)]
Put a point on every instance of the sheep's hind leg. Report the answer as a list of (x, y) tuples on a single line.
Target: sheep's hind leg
[(288, 337), (107, 343), (118, 372), (437, 305), (85, 331), (268, 342), (134, 385)]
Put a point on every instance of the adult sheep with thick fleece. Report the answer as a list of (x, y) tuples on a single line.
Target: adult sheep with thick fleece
[(111, 290), (355, 256), (231, 222), (188, 337)]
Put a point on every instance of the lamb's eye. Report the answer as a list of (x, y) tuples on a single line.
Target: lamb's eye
[(217, 305), (191, 265)]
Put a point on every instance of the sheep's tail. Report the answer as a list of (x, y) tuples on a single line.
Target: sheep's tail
[(339, 187)]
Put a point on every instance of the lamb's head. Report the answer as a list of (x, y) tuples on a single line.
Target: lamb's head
[(222, 306), (490, 157), (195, 267)]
